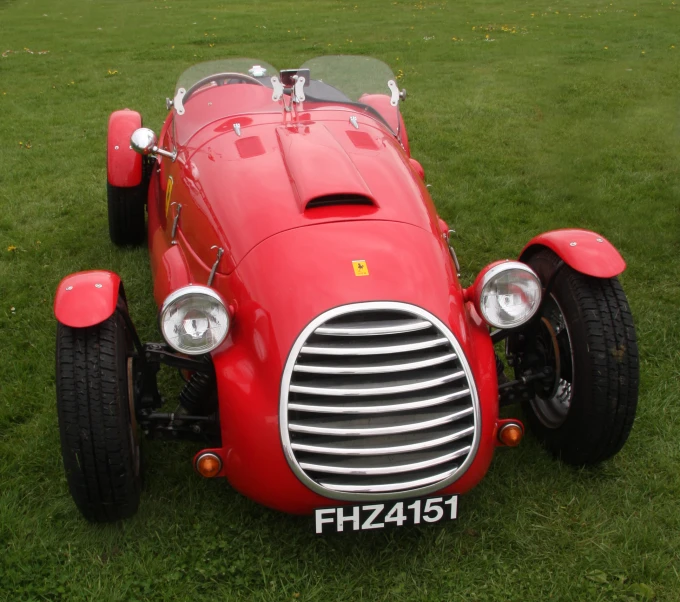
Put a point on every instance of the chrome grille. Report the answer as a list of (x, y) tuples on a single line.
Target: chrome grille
[(377, 400)]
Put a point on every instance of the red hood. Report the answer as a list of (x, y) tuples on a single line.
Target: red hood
[(247, 188)]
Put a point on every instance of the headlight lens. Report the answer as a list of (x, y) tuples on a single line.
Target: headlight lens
[(194, 320), (509, 294)]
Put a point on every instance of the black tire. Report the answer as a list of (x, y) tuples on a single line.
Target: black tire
[(126, 213), (592, 408), (99, 440)]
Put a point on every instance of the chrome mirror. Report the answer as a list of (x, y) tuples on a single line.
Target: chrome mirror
[(143, 141)]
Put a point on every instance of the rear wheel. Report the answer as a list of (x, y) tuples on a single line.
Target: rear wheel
[(99, 435), (126, 213), (587, 337)]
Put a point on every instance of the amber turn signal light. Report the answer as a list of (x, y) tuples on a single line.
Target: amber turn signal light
[(511, 434), (208, 465)]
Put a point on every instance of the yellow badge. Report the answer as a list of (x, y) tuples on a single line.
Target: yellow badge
[(360, 267), (168, 195)]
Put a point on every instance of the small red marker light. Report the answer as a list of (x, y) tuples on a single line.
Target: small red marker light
[(511, 434), (208, 465)]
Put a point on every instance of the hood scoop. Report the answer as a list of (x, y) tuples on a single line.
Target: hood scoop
[(333, 200), (321, 171)]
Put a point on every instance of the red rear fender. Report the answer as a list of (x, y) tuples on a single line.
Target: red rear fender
[(86, 298), (124, 166), (585, 251), (381, 103)]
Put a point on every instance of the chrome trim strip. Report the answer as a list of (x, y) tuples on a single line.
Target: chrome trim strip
[(387, 469), (375, 451), (374, 350), (379, 409), (392, 486), (347, 392), (381, 430), (442, 359), (424, 489), (359, 331)]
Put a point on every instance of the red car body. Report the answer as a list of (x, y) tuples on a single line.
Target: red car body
[(285, 264), (245, 174)]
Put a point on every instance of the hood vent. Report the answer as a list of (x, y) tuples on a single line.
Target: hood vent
[(332, 200)]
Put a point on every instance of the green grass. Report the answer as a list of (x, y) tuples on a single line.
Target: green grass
[(570, 121)]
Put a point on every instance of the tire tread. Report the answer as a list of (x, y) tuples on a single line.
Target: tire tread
[(126, 213), (606, 389), (92, 405)]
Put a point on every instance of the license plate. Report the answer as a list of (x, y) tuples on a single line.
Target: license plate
[(390, 514)]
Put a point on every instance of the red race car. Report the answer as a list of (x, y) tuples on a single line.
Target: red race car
[(309, 294)]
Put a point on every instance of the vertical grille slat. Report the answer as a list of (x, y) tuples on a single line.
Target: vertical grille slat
[(378, 400)]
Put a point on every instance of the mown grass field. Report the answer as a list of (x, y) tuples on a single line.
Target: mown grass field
[(527, 116)]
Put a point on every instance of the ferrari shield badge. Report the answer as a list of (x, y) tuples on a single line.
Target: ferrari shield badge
[(168, 195), (360, 267)]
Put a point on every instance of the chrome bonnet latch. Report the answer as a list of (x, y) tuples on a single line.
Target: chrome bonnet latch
[(175, 223), (220, 252)]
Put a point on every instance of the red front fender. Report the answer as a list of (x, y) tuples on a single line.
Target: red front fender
[(86, 298), (585, 251)]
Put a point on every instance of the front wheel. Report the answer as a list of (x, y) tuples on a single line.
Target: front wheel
[(585, 335), (99, 437)]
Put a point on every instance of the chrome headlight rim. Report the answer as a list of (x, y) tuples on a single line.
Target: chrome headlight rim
[(187, 291), (488, 275)]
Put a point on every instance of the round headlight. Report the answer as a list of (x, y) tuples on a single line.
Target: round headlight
[(507, 294), (194, 320)]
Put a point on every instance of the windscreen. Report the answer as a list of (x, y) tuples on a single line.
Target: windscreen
[(354, 76), (254, 67), (354, 80), (342, 78)]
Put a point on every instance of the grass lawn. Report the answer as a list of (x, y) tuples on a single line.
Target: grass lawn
[(527, 116)]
